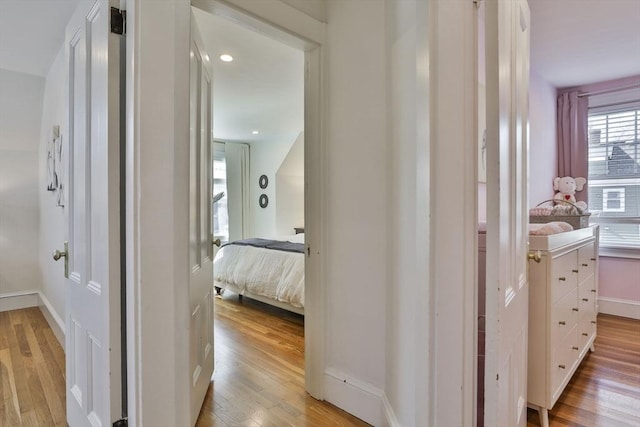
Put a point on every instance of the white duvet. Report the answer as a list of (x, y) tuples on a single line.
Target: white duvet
[(270, 273)]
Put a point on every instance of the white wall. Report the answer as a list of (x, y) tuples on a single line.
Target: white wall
[(356, 253), (265, 159), (20, 143), (290, 189), (53, 218), (401, 239), (542, 139)]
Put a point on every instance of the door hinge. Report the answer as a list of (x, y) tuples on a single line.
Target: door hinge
[(121, 423), (308, 251), (118, 21)]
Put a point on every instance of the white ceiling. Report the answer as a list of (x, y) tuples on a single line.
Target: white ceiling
[(32, 33), (573, 42), (262, 89), (577, 42)]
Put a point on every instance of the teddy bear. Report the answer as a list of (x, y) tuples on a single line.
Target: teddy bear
[(566, 188)]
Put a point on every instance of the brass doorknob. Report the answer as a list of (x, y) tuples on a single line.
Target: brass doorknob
[(216, 242), (534, 256), (57, 254)]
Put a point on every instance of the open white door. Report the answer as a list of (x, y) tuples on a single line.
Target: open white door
[(200, 231), (93, 359), (507, 78)]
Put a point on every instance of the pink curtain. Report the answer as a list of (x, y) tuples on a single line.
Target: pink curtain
[(573, 146)]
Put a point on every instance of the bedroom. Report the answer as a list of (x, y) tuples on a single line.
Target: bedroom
[(258, 173), (378, 327)]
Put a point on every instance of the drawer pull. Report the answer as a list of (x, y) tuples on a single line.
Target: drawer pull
[(585, 265), (561, 366), (585, 299), (594, 322), (574, 309), (562, 322), (575, 348), (562, 279), (574, 271), (584, 334), (593, 259), (593, 290)]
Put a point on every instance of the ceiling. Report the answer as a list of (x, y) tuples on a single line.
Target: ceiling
[(32, 33), (578, 42), (261, 90), (573, 42)]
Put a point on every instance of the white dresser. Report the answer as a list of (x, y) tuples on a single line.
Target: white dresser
[(563, 291)]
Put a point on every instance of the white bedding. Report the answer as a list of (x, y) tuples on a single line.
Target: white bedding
[(270, 273)]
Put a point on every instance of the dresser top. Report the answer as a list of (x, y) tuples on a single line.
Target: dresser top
[(557, 241)]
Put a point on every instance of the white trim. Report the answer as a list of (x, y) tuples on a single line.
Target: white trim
[(619, 307), (18, 300), (53, 318), (354, 396), (631, 253), (28, 299), (389, 414)]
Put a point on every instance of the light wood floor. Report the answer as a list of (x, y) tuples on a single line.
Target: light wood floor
[(605, 390), (32, 369), (259, 374)]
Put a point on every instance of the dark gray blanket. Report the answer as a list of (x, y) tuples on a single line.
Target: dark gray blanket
[(276, 245)]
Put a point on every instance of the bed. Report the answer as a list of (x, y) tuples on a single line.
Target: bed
[(267, 270)]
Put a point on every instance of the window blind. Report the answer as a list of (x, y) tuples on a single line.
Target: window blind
[(614, 173)]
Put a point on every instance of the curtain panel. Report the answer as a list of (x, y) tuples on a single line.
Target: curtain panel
[(573, 144), (237, 159)]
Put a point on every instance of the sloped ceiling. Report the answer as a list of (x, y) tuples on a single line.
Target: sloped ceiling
[(577, 42), (32, 33)]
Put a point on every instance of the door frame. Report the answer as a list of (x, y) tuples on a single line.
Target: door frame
[(158, 35)]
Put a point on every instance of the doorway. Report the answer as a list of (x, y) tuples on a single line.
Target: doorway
[(258, 168)]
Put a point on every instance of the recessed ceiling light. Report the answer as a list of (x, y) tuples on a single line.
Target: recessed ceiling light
[(255, 132), (226, 58)]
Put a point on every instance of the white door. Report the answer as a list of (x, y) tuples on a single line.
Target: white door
[(93, 285), (200, 232), (507, 78)]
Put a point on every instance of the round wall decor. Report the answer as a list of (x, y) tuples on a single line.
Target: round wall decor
[(263, 181), (263, 201)]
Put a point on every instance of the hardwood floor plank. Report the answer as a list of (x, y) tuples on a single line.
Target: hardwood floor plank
[(32, 386), (259, 376), (10, 394)]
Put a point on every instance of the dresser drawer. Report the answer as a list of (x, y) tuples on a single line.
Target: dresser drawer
[(586, 261), (564, 275), (586, 329), (564, 317), (563, 357), (586, 299)]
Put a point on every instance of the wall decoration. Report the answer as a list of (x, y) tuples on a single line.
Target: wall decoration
[(54, 165), (263, 201), (263, 181)]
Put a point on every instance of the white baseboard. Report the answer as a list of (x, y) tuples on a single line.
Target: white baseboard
[(26, 299), (55, 321), (356, 397), (619, 307), (389, 413), (18, 300)]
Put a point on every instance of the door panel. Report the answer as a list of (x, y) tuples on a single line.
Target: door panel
[(507, 50), (93, 288), (200, 220)]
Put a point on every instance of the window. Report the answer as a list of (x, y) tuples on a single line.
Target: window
[(220, 210), (613, 200), (614, 173)]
